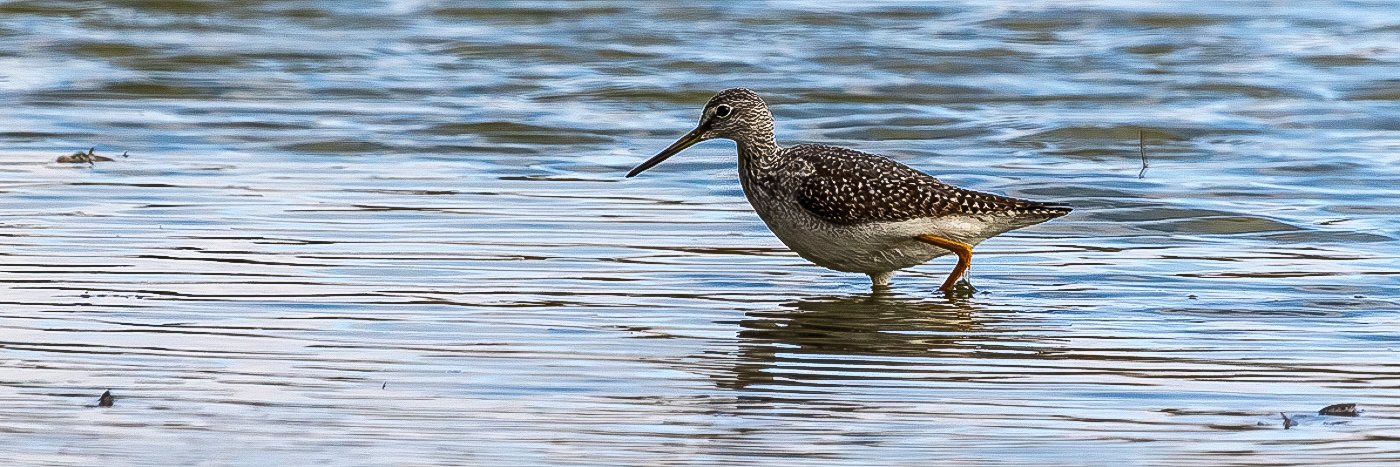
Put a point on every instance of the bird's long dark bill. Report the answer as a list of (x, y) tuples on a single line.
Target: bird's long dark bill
[(686, 141)]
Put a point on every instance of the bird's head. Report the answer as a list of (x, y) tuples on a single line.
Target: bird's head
[(737, 114)]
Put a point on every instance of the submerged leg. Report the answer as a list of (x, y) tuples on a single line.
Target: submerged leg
[(880, 280), (964, 252)]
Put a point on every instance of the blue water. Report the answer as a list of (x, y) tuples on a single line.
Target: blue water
[(398, 233)]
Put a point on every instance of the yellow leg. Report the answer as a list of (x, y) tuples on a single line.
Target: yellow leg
[(964, 252)]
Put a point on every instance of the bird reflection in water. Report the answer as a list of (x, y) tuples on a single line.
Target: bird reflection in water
[(828, 340)]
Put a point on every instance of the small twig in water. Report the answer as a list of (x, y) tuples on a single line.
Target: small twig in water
[(1142, 149)]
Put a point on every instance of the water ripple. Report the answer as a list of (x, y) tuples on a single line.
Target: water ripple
[(342, 227)]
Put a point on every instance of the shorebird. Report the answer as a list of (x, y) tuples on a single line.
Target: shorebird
[(853, 211)]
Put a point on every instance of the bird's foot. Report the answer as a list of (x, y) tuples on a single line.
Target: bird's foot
[(960, 289)]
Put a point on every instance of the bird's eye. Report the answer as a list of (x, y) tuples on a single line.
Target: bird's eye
[(722, 111)]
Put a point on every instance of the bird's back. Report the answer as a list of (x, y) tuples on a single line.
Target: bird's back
[(848, 187)]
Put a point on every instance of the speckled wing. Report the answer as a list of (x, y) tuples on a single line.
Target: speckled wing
[(849, 187)]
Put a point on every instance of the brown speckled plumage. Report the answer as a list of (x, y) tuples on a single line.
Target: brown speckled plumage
[(845, 186), (849, 210)]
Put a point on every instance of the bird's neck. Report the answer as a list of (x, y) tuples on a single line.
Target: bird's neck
[(758, 154)]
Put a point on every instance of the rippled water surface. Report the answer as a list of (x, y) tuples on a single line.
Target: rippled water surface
[(398, 233)]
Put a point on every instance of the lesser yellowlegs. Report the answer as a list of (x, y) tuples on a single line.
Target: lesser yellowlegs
[(852, 211)]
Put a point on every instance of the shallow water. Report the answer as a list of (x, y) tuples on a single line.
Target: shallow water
[(399, 234)]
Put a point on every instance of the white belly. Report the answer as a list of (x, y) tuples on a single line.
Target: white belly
[(867, 248)]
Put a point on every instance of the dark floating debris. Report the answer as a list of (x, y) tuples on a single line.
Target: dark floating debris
[(88, 157), (1287, 422), (106, 400), (1340, 410)]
